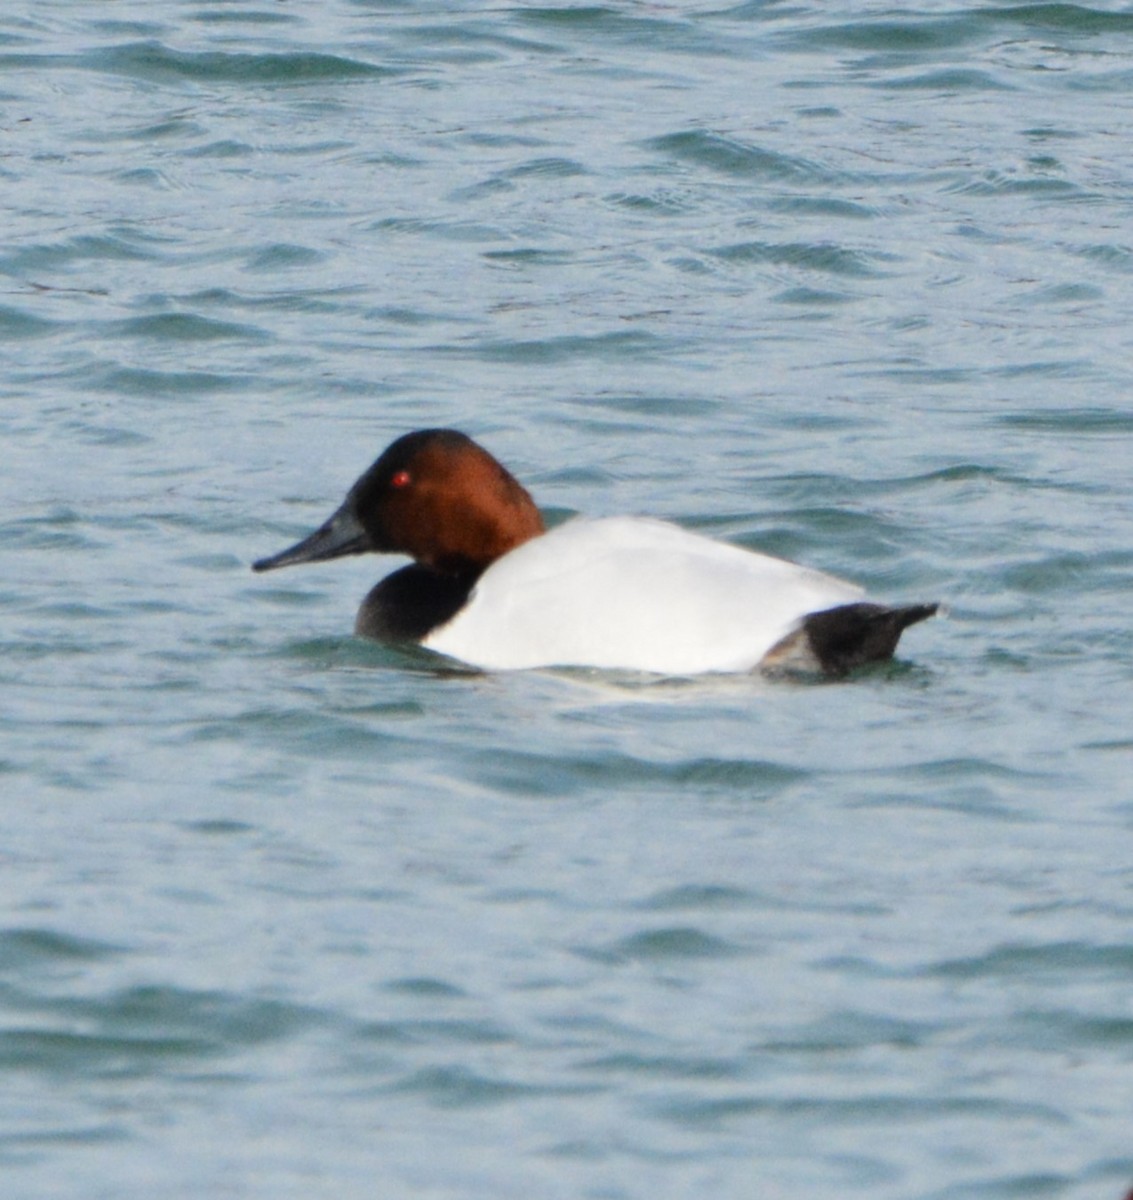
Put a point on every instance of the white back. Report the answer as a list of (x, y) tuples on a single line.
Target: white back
[(635, 594)]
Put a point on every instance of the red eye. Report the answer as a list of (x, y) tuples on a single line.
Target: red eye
[(399, 479)]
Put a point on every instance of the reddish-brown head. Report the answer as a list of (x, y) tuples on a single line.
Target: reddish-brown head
[(434, 495), (445, 501)]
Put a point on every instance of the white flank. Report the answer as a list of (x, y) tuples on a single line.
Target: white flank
[(635, 594)]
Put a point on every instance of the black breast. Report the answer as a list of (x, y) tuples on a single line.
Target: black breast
[(409, 604)]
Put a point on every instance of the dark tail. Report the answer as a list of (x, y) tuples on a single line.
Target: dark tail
[(837, 640), (853, 634)]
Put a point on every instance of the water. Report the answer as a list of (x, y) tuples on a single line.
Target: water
[(290, 915)]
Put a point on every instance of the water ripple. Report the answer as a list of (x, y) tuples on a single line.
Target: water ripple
[(459, 1087), (733, 157), (1059, 963), (563, 775), (155, 61), (24, 948), (887, 1109), (135, 1032), (185, 327)]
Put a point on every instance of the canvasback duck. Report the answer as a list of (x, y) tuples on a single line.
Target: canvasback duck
[(491, 587)]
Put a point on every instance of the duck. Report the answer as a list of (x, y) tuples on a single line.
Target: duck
[(492, 587)]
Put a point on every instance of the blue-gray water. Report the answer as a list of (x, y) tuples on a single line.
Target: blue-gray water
[(289, 915)]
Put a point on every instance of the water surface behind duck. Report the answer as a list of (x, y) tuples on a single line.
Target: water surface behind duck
[(287, 914)]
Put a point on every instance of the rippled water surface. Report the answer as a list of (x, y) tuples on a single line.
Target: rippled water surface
[(286, 914)]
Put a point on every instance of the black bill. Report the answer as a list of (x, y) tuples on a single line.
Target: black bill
[(343, 534)]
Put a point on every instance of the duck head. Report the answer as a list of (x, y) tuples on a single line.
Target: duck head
[(435, 495)]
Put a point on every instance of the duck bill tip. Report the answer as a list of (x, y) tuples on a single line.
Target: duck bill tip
[(343, 534), (271, 562)]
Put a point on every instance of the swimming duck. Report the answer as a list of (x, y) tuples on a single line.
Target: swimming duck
[(490, 586)]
